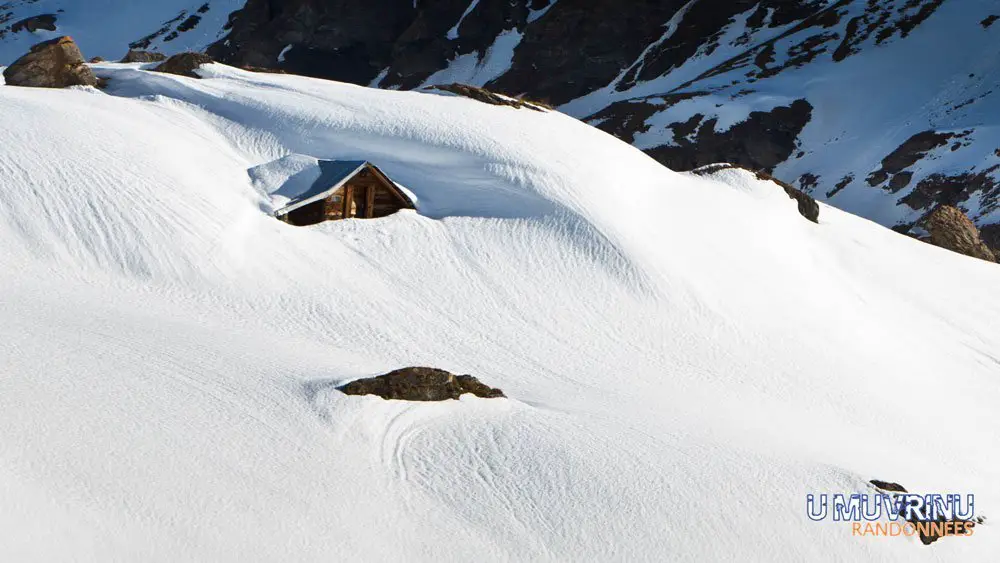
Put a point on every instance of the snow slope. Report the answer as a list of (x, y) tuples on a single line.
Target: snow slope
[(686, 357)]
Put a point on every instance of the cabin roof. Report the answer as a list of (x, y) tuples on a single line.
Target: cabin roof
[(332, 175)]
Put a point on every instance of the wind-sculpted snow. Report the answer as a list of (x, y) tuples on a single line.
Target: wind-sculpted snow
[(685, 357)]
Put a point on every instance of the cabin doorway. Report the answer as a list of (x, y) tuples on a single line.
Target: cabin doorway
[(357, 204), (359, 200)]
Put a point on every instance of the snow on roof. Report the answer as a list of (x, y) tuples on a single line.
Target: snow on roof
[(333, 174)]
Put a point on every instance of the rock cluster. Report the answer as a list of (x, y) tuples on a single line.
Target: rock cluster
[(421, 384), (184, 64), (137, 56), (487, 97), (57, 63), (949, 228)]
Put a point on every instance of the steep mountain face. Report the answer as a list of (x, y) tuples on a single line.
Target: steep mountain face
[(884, 108), (110, 27)]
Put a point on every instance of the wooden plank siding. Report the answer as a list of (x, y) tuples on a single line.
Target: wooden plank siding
[(369, 194)]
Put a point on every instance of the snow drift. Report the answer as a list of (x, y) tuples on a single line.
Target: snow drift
[(686, 357)]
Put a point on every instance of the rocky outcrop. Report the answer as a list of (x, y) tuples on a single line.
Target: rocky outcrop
[(43, 22), (949, 228), (420, 384), (485, 96), (52, 64), (807, 206), (137, 56), (184, 64), (761, 142)]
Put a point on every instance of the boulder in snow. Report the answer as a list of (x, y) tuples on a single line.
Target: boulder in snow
[(421, 384), (950, 228), (57, 63), (137, 56), (184, 64)]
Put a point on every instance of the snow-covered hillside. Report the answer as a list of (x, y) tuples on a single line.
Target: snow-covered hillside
[(686, 357)]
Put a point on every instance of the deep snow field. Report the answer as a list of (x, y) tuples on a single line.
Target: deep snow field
[(686, 357)]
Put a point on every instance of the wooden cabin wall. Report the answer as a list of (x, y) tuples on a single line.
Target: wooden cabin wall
[(307, 214), (333, 206), (386, 202), (379, 200)]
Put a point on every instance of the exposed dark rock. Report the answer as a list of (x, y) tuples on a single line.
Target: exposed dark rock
[(168, 30), (343, 40), (990, 235), (95, 60), (420, 384), (843, 183), (952, 190), (761, 142), (949, 228), (45, 22), (907, 154), (184, 64), (57, 63), (264, 70), (137, 56), (808, 181), (487, 97), (807, 206), (888, 486), (900, 181)]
